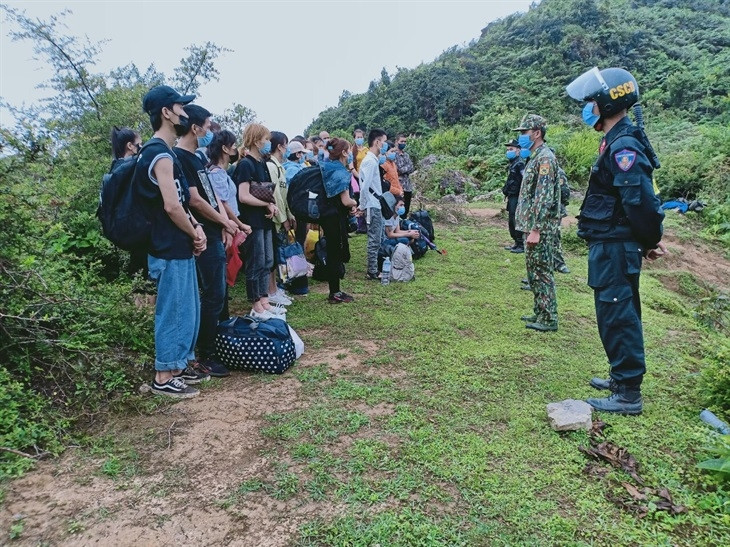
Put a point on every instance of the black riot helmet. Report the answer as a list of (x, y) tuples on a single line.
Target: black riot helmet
[(613, 89)]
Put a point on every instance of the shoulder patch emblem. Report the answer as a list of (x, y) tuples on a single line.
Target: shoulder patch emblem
[(545, 168), (625, 159)]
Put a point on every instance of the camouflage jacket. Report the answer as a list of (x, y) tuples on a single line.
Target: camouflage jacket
[(539, 203)]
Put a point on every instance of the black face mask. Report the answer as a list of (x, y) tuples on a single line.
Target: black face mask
[(182, 127), (234, 157)]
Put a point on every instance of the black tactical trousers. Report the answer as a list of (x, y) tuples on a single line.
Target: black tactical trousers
[(511, 208), (613, 274)]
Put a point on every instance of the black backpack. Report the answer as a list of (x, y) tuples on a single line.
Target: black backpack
[(424, 219), (307, 198), (418, 246), (124, 217)]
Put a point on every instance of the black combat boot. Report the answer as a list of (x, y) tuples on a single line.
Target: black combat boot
[(625, 400), (600, 383)]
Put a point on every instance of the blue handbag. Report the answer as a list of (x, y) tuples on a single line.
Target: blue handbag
[(291, 261), (243, 343)]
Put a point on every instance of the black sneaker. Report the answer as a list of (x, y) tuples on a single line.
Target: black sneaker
[(190, 376), (211, 367), (372, 277), (518, 250), (340, 298), (174, 387)]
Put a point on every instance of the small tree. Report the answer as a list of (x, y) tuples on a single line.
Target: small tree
[(198, 67)]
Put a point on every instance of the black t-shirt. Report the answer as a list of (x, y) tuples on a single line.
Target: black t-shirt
[(197, 176), (250, 169), (167, 241)]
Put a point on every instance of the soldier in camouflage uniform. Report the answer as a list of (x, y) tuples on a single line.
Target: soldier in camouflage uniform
[(538, 216), (560, 265)]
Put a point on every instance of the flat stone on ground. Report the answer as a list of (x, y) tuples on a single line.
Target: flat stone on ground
[(570, 415)]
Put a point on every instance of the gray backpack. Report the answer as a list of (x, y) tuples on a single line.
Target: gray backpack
[(402, 268)]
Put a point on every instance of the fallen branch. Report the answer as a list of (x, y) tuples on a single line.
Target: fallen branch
[(38, 456)]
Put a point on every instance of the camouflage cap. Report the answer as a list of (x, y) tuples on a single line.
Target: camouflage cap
[(532, 121), (513, 143)]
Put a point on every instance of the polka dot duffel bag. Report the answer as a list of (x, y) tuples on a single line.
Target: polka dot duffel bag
[(242, 343)]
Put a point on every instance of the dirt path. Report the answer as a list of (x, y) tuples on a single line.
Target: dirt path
[(190, 458), (697, 258)]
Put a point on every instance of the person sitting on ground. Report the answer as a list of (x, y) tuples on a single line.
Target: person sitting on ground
[(336, 178), (393, 232), (390, 171)]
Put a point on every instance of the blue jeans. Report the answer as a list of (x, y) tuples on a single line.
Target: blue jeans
[(212, 277), (258, 261), (177, 312)]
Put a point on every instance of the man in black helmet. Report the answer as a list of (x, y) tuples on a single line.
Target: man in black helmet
[(621, 220)]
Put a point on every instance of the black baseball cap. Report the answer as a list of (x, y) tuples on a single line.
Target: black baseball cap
[(513, 142), (161, 96)]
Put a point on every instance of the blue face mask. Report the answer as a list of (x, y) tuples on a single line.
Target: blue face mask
[(205, 141), (302, 159), (511, 154), (286, 153), (525, 152), (384, 148), (266, 149), (400, 211), (589, 117), (359, 141), (401, 146), (320, 154), (310, 154), (390, 156), (525, 142), (381, 160), (349, 158)]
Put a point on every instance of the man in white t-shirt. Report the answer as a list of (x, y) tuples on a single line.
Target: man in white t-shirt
[(370, 188)]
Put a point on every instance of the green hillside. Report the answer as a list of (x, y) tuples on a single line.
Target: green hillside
[(464, 103)]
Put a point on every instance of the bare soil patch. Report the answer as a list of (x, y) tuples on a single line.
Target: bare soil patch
[(696, 257), (190, 456)]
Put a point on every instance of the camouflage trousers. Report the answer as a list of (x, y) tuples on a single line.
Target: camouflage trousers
[(540, 261), (557, 250)]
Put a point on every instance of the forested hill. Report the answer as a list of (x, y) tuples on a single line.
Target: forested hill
[(679, 51)]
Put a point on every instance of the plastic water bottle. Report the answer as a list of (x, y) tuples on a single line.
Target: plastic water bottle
[(385, 275), (710, 419)]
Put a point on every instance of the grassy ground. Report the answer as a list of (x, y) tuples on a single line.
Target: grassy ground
[(465, 454), (422, 422)]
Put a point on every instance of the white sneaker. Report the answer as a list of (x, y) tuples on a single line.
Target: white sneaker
[(263, 315), (279, 298), (278, 310)]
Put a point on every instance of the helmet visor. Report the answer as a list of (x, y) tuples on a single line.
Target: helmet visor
[(587, 85)]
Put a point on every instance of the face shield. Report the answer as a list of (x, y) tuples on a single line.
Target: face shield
[(587, 85)]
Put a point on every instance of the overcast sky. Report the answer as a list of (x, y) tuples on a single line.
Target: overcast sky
[(290, 59)]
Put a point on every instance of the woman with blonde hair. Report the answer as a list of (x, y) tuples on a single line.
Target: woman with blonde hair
[(257, 212)]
